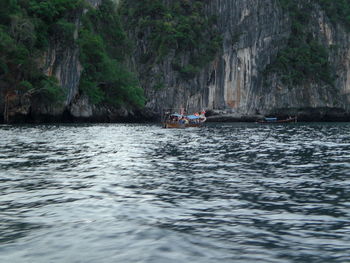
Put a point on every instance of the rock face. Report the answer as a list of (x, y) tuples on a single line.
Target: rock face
[(235, 82), (234, 85), (314, 100), (63, 63)]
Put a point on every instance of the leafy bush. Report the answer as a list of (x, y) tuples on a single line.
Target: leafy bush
[(337, 11), (50, 89), (304, 58), (179, 26), (26, 28), (26, 85), (91, 89), (103, 45), (53, 10), (63, 31)]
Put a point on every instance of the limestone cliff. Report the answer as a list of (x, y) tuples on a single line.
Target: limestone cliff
[(236, 83), (61, 60)]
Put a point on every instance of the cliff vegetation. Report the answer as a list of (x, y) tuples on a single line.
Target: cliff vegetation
[(26, 28), (119, 52), (29, 27), (103, 47), (305, 58), (180, 26)]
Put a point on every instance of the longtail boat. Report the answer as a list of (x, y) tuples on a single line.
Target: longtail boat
[(177, 120), (276, 120)]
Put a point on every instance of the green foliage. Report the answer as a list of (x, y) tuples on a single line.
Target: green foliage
[(53, 10), (26, 85), (91, 89), (337, 11), (159, 86), (307, 61), (179, 26), (17, 62), (189, 71), (50, 90), (26, 27), (53, 19), (6, 50), (103, 45), (159, 82), (7, 7), (63, 31), (304, 58)]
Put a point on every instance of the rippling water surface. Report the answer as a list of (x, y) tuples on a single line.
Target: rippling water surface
[(140, 193)]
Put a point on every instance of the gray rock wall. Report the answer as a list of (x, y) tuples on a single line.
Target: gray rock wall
[(63, 63), (235, 83), (315, 95)]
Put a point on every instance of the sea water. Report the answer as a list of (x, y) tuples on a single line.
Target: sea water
[(239, 192)]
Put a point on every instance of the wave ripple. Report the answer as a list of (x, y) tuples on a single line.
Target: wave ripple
[(138, 193)]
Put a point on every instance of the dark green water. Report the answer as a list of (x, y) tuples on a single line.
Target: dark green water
[(139, 193)]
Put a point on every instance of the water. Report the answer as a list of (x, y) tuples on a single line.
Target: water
[(139, 193)]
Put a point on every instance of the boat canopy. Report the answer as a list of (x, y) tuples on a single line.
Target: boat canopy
[(193, 117), (270, 119), (176, 115)]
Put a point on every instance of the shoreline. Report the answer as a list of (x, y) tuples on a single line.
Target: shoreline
[(221, 119), (146, 116)]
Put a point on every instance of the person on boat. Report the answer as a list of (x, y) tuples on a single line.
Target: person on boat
[(202, 117), (187, 121), (182, 120)]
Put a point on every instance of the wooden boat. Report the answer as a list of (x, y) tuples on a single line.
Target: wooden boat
[(169, 125), (176, 120), (275, 120)]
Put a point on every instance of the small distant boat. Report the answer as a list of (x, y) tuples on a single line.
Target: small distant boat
[(177, 120), (276, 120)]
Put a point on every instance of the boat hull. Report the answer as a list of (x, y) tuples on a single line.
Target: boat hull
[(169, 125), (290, 120)]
